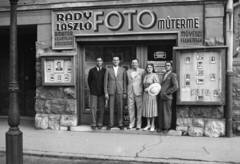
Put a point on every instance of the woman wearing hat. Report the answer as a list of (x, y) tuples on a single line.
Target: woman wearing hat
[(151, 88)]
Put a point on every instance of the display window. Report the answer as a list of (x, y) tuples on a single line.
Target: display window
[(201, 75)]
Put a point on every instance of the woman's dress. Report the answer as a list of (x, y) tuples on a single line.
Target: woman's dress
[(150, 102)]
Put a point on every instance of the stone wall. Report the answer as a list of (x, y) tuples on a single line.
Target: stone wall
[(56, 107), (200, 121), (236, 96)]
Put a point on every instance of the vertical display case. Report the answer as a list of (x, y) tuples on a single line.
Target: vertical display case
[(201, 73)]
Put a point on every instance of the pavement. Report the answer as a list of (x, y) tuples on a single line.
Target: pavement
[(126, 146)]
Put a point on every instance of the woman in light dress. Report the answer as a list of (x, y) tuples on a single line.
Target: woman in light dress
[(150, 110)]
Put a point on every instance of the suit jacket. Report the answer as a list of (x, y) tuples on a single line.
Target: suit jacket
[(114, 84), (96, 81), (168, 86), (135, 84)]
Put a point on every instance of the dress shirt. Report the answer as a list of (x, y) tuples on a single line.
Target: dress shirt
[(134, 72), (99, 68), (115, 70)]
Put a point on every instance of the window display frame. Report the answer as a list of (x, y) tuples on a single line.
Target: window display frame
[(221, 51), (61, 73)]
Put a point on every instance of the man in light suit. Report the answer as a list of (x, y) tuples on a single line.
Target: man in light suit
[(135, 77), (169, 85), (115, 89)]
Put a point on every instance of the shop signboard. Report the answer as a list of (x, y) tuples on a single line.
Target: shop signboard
[(186, 20)]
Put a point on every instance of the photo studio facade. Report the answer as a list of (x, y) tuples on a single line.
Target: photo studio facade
[(68, 37)]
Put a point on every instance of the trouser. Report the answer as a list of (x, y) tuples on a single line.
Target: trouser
[(94, 101), (165, 114), (132, 98), (118, 98)]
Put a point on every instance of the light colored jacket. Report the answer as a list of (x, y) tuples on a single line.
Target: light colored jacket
[(114, 84), (135, 84)]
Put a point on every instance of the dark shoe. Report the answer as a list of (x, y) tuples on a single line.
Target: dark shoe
[(93, 127), (166, 130), (159, 130), (137, 128), (99, 127), (109, 127), (121, 127)]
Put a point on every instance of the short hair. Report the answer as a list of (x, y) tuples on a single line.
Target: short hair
[(136, 59), (151, 64), (99, 58), (58, 62), (115, 56), (168, 62)]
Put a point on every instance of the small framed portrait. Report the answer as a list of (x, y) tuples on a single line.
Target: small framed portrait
[(200, 65), (187, 60), (66, 77), (200, 81), (200, 98), (192, 92), (126, 67), (187, 77), (58, 66), (212, 77), (200, 56), (187, 83), (51, 77), (59, 77), (215, 93), (200, 72), (213, 60), (49, 67), (69, 68), (207, 92)]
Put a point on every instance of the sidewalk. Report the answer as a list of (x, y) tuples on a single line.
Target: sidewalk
[(115, 145)]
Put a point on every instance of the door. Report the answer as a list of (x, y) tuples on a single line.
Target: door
[(90, 53), (26, 71)]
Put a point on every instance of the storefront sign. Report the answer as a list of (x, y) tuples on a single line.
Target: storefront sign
[(187, 20)]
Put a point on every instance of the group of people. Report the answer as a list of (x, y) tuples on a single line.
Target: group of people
[(142, 88)]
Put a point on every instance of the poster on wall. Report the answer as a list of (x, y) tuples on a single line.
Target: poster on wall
[(58, 71), (201, 75), (185, 21)]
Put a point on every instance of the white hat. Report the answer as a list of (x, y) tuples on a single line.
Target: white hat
[(154, 89)]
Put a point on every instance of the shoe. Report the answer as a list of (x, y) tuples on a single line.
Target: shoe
[(152, 129), (159, 130), (121, 127), (109, 127), (128, 128), (93, 127), (99, 127), (147, 128), (166, 130), (137, 128)]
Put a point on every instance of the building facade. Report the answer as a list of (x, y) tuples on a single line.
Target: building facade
[(73, 33)]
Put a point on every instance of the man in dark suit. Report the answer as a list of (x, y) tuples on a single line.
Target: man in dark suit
[(115, 89), (96, 86), (169, 85)]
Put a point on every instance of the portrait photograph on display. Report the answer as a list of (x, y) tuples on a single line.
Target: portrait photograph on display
[(69, 68), (207, 92), (66, 77), (59, 77), (213, 60), (200, 57), (49, 67), (200, 81), (187, 83), (200, 72), (187, 60), (212, 77), (51, 77), (58, 66), (215, 93), (200, 65), (187, 77)]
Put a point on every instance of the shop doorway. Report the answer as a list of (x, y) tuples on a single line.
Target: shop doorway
[(27, 37), (144, 51)]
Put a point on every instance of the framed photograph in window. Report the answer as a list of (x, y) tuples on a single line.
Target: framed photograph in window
[(58, 70)]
